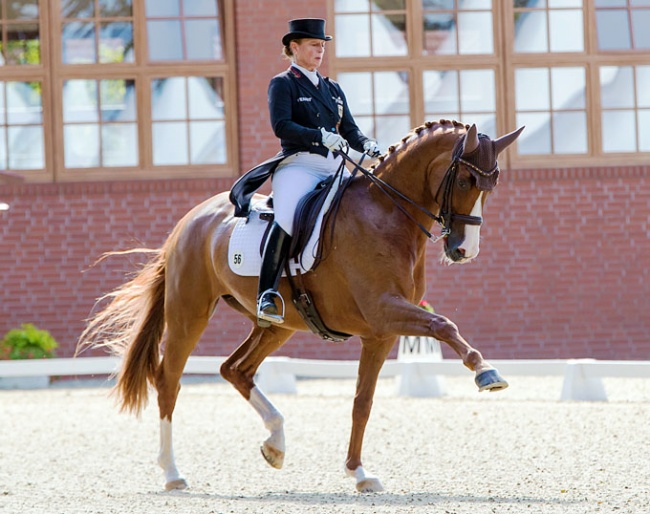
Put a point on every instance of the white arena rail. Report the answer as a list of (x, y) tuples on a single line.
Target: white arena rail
[(582, 377)]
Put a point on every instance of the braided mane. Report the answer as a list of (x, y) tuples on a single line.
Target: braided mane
[(428, 126)]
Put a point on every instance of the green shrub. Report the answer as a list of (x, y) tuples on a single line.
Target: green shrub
[(27, 342)]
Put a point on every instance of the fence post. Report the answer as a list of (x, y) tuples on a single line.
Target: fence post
[(272, 377), (412, 382), (577, 386)]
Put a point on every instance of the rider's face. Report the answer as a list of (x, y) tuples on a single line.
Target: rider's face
[(308, 53)]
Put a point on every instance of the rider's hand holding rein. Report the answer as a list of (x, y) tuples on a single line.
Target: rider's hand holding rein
[(371, 148), (333, 142)]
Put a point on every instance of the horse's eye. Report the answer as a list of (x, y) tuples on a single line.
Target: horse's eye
[(463, 184)]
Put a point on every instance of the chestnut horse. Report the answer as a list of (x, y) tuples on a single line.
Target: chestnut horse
[(369, 285)]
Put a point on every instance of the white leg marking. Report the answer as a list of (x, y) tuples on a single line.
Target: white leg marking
[(173, 479), (473, 232), (273, 448), (366, 483)]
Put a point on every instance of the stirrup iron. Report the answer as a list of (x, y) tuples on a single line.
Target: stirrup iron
[(266, 319)]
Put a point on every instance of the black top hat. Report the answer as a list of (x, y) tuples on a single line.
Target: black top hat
[(313, 28)]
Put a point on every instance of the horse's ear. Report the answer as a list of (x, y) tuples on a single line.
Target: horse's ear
[(471, 140), (505, 141)]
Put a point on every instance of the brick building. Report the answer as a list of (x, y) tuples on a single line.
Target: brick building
[(119, 116)]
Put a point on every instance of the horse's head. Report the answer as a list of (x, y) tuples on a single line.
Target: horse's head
[(472, 175)]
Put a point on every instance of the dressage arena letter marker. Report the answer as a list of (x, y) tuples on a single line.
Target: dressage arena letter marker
[(413, 349)]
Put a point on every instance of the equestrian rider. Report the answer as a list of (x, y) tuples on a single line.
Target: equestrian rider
[(311, 117)]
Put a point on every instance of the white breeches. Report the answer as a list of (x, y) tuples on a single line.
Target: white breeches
[(296, 176)]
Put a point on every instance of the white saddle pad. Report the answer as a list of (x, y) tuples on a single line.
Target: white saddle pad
[(244, 249)]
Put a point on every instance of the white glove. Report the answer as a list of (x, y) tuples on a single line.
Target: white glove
[(371, 148), (332, 141)]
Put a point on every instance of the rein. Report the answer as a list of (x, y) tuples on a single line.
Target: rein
[(446, 217)]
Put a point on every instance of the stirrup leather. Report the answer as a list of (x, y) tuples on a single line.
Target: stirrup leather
[(277, 318)]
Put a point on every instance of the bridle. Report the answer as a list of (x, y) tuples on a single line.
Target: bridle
[(445, 217)]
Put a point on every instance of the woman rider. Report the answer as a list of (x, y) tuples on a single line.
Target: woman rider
[(310, 116)]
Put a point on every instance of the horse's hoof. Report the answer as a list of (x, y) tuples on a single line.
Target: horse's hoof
[(490, 380), (176, 485), (370, 485), (272, 455)]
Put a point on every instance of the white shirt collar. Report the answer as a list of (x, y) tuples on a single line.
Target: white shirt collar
[(311, 75)]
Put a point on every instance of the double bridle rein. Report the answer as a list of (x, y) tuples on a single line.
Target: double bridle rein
[(446, 217)]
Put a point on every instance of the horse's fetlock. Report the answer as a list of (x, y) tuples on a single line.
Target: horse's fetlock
[(274, 422)]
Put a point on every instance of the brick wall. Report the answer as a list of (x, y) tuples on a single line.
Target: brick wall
[(562, 271)]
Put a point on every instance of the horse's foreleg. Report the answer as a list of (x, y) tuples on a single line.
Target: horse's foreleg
[(373, 355), (486, 377), (239, 369)]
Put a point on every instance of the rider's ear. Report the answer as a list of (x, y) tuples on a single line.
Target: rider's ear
[(471, 140)]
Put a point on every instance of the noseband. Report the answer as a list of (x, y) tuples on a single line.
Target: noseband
[(446, 217)]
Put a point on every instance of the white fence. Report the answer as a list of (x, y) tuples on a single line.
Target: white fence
[(582, 377)]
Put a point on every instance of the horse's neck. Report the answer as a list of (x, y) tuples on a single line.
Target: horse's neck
[(411, 169)]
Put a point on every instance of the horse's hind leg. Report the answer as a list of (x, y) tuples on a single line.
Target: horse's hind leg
[(184, 329), (239, 369)]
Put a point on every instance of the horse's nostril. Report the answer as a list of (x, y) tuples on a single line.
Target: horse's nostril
[(461, 251)]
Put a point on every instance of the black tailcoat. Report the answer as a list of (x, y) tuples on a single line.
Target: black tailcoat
[(298, 112)]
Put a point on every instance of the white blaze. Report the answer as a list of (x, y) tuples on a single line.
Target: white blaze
[(472, 232)]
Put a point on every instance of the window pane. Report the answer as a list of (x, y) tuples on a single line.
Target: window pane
[(77, 9), (80, 101), (26, 148), (441, 92), (352, 35), (391, 5), (532, 89), (391, 130), (3, 148), (640, 32), (486, 123), (566, 31), (24, 104), (121, 8), (203, 40), (616, 87), (116, 42), (569, 132), (2, 103), (351, 5), (477, 91), (531, 32), (536, 139), (119, 145), (391, 93), (643, 86), (439, 33), (357, 87), (200, 7), (23, 45), (564, 3), (81, 145), (644, 130), (613, 30), (619, 131), (206, 98), (78, 43), (118, 100), (168, 99), (611, 3), (569, 86), (165, 8), (22, 10), (165, 41), (389, 35), (208, 142), (475, 33), (169, 143)]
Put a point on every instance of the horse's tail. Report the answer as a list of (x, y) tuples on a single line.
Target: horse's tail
[(132, 326)]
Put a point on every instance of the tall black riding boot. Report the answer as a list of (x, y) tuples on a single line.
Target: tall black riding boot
[(275, 251)]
